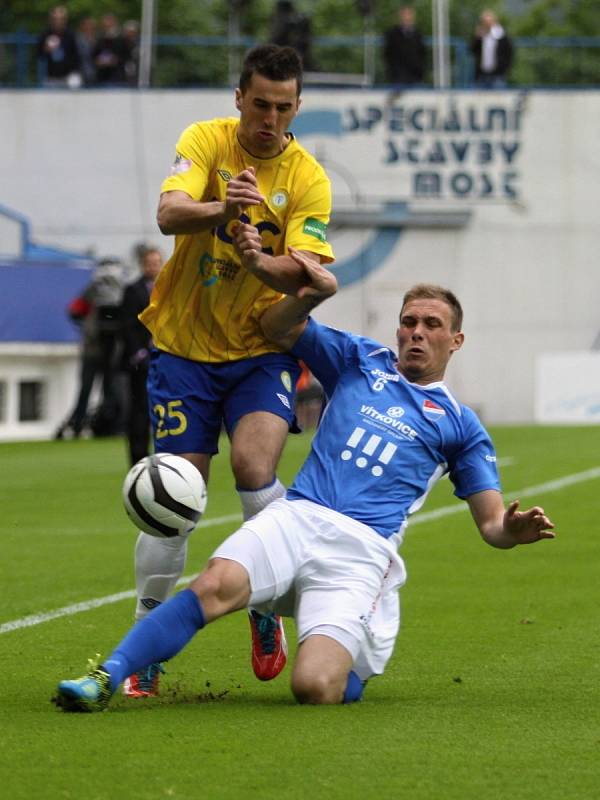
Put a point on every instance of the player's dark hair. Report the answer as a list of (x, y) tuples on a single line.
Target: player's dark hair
[(273, 62), (429, 291)]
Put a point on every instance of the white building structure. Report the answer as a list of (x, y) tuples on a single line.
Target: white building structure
[(493, 194)]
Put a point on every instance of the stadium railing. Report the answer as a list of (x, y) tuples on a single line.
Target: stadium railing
[(201, 61)]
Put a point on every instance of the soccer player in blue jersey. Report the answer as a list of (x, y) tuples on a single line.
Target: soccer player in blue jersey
[(326, 554)]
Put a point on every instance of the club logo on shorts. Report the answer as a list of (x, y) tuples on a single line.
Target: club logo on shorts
[(286, 379), (279, 199), (284, 400)]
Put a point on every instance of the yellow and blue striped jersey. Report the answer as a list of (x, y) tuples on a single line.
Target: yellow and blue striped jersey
[(205, 306)]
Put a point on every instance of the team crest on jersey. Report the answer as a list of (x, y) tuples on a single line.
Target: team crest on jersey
[(180, 165), (227, 176), (286, 379), (279, 198), (432, 410)]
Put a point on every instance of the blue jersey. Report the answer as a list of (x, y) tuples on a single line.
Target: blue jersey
[(383, 442)]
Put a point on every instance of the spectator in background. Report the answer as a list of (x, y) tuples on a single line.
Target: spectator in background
[(110, 53), (96, 311), (86, 41), (493, 52), (58, 56), (131, 35), (404, 50), (290, 28), (136, 352)]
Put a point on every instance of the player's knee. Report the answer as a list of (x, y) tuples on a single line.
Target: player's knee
[(317, 688), (251, 471), (222, 587)]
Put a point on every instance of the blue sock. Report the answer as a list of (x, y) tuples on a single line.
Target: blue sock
[(354, 688), (159, 636)]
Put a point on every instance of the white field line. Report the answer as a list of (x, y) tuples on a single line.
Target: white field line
[(444, 511)]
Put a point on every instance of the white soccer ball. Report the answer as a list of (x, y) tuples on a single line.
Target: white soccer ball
[(164, 495)]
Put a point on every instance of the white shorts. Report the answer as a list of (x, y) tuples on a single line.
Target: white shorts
[(334, 575)]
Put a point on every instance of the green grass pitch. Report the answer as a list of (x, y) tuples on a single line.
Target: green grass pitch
[(493, 692)]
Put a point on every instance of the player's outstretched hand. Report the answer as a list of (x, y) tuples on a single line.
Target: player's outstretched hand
[(242, 191), (527, 526), (321, 282)]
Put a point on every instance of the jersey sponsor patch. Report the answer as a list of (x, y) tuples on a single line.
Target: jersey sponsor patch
[(213, 269), (180, 165), (316, 228), (391, 422), (432, 410)]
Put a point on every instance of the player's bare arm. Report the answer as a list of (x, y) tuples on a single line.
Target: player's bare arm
[(508, 527), (180, 213), (282, 273), (283, 322)]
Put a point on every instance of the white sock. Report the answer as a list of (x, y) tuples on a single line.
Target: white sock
[(254, 500), (159, 563)]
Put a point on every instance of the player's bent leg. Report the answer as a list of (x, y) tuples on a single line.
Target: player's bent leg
[(157, 637), (256, 447), (223, 587), (269, 645), (321, 671)]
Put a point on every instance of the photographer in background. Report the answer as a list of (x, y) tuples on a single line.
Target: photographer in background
[(97, 312)]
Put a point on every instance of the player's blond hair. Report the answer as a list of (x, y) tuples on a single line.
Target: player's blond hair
[(429, 291)]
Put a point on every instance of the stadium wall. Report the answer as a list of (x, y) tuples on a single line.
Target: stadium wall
[(492, 194)]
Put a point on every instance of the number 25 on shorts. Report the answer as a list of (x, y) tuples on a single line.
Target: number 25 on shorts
[(172, 415)]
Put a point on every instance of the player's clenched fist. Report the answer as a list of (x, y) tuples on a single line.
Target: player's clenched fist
[(242, 191)]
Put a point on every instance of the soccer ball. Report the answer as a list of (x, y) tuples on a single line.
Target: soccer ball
[(164, 495)]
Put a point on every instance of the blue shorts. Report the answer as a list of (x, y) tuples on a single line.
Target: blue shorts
[(190, 401)]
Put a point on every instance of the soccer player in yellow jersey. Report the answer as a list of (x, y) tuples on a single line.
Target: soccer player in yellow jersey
[(212, 364)]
